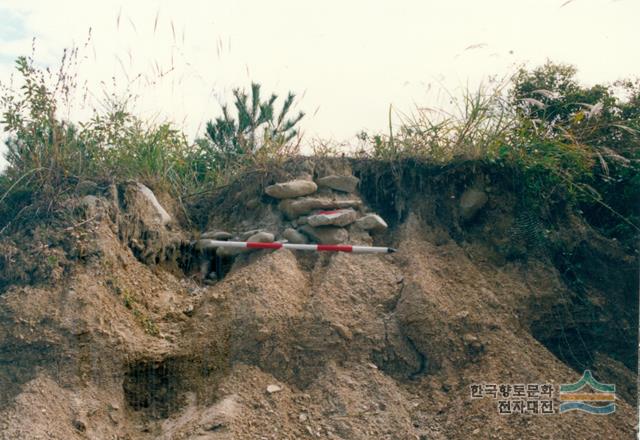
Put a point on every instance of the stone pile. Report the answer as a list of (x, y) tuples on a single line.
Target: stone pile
[(327, 211), (325, 216)]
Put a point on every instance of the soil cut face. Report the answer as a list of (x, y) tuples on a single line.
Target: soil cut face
[(126, 334)]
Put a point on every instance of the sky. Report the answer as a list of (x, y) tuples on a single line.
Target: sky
[(348, 61)]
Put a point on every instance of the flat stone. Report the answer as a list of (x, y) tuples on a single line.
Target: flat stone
[(472, 201), (293, 188), (217, 235), (325, 234), (273, 388), (294, 236), (340, 217), (259, 237), (245, 235), (346, 184), (294, 208), (372, 222), (262, 237)]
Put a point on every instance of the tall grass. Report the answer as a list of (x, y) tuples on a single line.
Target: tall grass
[(480, 120), (48, 156), (577, 141), (580, 141)]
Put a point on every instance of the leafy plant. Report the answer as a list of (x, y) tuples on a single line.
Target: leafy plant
[(597, 132), (47, 156)]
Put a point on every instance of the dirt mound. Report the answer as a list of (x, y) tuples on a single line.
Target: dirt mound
[(125, 336)]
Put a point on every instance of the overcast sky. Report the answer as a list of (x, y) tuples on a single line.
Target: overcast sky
[(348, 60)]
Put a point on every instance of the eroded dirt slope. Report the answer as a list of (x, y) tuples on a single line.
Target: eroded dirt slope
[(126, 342)]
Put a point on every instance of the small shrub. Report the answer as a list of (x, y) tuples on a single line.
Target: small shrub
[(257, 132)]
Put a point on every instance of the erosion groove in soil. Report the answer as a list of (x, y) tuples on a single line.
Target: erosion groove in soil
[(123, 339)]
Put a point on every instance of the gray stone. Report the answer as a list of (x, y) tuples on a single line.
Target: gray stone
[(372, 222), (340, 217), (253, 203), (294, 208), (262, 237), (294, 236), (293, 188), (340, 183), (245, 235), (217, 235), (160, 214), (325, 234), (259, 237), (472, 201)]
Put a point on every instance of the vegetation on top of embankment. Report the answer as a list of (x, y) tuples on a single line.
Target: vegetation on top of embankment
[(556, 137)]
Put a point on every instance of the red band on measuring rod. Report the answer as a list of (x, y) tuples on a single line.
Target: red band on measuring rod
[(327, 212), (335, 247), (256, 245)]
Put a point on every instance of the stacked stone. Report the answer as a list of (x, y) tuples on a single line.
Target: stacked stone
[(324, 212), (325, 216), (327, 211)]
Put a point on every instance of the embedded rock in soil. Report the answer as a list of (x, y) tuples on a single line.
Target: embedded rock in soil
[(258, 237), (143, 225), (158, 212), (372, 222), (346, 184), (340, 217), (217, 235), (245, 235), (262, 237), (294, 236), (472, 201), (326, 234), (293, 188), (293, 208)]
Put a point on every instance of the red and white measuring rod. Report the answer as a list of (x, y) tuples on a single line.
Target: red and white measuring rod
[(301, 247)]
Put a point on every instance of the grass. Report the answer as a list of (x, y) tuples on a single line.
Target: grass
[(579, 141), (589, 153)]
